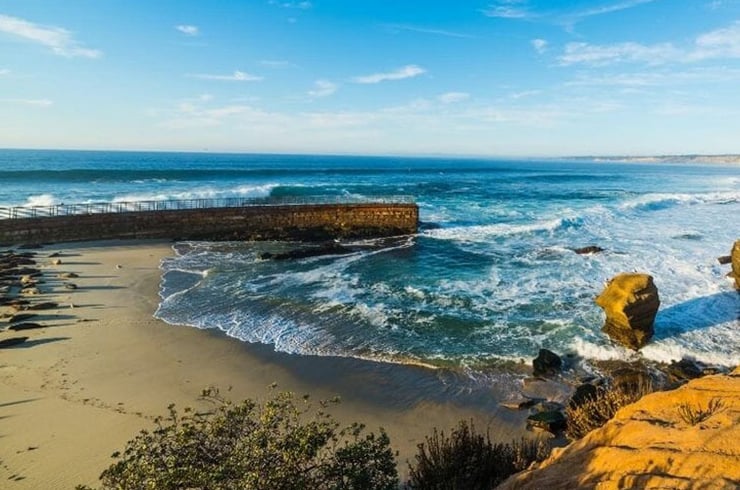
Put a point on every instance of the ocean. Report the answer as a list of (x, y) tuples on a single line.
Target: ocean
[(490, 278)]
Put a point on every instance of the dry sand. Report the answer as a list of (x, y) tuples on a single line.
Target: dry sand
[(78, 389)]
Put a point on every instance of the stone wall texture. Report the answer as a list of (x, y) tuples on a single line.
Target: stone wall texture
[(289, 222)]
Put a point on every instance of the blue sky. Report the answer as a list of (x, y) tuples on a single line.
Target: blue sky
[(490, 77)]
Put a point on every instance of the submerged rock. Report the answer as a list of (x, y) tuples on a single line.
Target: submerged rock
[(630, 302), (725, 259), (546, 363), (591, 249), (329, 248)]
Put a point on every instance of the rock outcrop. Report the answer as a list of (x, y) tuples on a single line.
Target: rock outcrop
[(546, 363), (736, 264), (651, 445), (590, 250), (630, 302), (552, 421)]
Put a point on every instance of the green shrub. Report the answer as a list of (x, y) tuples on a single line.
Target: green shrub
[(597, 411), (278, 444), (467, 460)]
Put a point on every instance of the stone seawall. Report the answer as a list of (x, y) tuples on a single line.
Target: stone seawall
[(309, 222)]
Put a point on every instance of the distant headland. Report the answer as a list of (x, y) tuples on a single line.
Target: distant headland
[(711, 159)]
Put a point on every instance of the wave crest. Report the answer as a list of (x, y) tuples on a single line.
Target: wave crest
[(659, 201), (486, 232), (253, 191)]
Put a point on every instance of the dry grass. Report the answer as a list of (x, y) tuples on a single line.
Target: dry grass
[(467, 459), (694, 415), (596, 412)]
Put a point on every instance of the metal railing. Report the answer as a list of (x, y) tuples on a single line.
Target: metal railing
[(21, 212)]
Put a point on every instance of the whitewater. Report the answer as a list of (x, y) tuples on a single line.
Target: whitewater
[(490, 278)]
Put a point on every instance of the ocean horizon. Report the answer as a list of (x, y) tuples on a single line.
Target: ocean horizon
[(490, 278)]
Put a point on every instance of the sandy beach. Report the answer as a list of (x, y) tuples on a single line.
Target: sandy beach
[(103, 368)]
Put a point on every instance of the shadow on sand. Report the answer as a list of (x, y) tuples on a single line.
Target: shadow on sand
[(32, 343)]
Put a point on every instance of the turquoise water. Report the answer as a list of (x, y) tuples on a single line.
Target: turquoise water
[(490, 277)]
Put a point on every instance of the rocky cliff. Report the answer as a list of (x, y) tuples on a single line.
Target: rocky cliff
[(688, 438)]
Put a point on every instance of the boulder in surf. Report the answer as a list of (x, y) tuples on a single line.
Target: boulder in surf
[(630, 302), (546, 363)]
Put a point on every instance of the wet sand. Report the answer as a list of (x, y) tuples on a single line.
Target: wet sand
[(103, 368)]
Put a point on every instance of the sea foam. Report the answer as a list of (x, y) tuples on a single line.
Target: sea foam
[(207, 192)]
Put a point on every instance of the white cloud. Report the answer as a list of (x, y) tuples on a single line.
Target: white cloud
[(453, 97), (591, 54), (420, 126), (539, 45), (4, 71), (522, 10), (31, 102), (508, 9), (525, 93), (59, 40), (607, 9), (292, 5), (237, 76), (276, 63), (721, 43), (334, 120), (659, 78), (408, 71), (188, 30), (197, 113), (323, 88), (426, 30)]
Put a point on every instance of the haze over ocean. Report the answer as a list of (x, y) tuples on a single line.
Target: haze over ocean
[(490, 278)]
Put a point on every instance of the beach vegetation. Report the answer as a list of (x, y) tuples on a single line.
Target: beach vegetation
[(595, 411), (282, 442), (693, 415), (467, 459)]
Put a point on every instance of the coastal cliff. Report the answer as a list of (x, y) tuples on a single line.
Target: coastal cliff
[(654, 443)]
